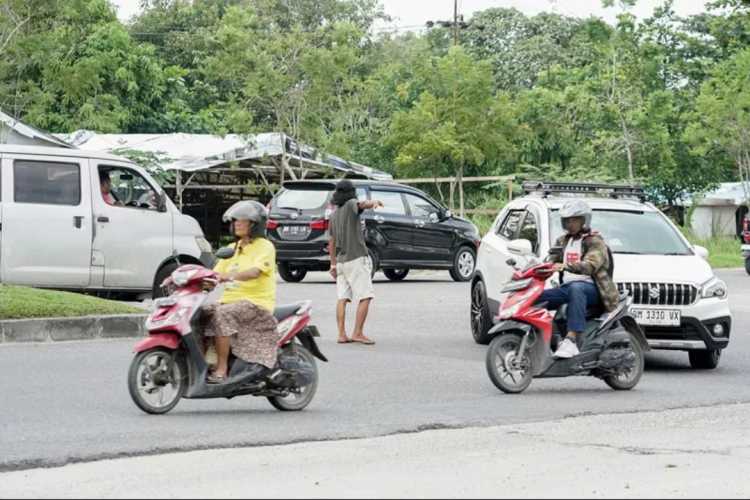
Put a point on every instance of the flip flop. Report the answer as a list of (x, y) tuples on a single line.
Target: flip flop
[(364, 341), (347, 341), (215, 379)]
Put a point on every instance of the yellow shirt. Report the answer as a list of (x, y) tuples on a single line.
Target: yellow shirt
[(261, 254)]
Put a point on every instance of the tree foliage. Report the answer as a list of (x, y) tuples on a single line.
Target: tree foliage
[(661, 101)]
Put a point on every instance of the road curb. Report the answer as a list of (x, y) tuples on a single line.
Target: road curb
[(13, 331)]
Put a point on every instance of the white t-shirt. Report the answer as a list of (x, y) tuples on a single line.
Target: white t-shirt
[(574, 255)]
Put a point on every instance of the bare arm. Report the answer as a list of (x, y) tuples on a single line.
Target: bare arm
[(248, 275), (368, 204), (332, 253)]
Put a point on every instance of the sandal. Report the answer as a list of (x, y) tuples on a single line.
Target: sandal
[(216, 379), (344, 341), (363, 340)]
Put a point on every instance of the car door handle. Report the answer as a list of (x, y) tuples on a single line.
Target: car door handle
[(102, 219), (78, 221), (379, 219)]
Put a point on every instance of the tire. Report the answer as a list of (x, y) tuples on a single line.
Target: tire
[(464, 264), (625, 382), (501, 351), (747, 265), (374, 260), (291, 274), (396, 274), (295, 402), (163, 273), (139, 378), (480, 319), (705, 359)]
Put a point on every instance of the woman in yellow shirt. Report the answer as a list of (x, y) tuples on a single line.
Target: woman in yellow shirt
[(243, 321)]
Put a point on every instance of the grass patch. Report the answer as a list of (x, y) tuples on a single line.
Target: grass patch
[(18, 302), (723, 252)]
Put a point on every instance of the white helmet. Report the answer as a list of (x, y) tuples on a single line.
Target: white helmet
[(576, 208), (252, 211)]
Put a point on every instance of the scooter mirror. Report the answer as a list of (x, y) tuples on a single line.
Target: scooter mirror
[(225, 253)]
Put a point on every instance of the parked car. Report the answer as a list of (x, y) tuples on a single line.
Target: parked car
[(677, 298), (59, 232), (412, 231)]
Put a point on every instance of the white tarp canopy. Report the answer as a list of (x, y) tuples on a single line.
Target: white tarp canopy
[(14, 131), (197, 152)]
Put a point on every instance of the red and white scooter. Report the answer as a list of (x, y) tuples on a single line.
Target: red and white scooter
[(170, 364)]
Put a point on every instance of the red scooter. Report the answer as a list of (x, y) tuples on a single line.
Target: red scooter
[(170, 365), (526, 336)]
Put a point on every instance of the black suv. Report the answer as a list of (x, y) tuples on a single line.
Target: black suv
[(412, 231)]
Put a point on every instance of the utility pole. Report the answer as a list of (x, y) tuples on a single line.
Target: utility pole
[(457, 24)]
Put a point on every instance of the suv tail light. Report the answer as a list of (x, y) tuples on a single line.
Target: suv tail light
[(272, 224), (746, 229), (321, 224)]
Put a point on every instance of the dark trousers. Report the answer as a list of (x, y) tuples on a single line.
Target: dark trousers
[(579, 295)]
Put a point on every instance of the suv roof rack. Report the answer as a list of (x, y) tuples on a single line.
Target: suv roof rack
[(583, 188)]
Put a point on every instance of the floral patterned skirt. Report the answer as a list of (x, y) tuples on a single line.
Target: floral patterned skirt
[(252, 330)]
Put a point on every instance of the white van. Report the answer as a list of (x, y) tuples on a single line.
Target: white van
[(80, 220)]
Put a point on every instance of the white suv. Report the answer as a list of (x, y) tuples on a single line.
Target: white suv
[(677, 299)]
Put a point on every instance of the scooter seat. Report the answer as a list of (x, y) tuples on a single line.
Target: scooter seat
[(283, 312)]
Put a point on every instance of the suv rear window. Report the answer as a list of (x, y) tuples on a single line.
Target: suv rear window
[(300, 199)]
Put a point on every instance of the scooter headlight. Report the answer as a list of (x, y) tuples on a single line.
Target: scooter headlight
[(181, 278), (510, 312), (173, 319), (514, 286)]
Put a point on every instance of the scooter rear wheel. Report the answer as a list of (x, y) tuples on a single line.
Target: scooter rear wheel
[(507, 375), (297, 401), (629, 378), (151, 385)]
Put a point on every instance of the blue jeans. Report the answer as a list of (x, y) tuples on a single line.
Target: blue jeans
[(579, 295)]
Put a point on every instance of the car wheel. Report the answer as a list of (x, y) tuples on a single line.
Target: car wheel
[(291, 274), (705, 359), (396, 274), (747, 265), (481, 321), (374, 260), (163, 273), (464, 264)]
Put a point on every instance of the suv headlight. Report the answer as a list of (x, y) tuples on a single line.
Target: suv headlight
[(203, 244), (714, 288)]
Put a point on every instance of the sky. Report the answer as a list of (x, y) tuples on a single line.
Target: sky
[(415, 13)]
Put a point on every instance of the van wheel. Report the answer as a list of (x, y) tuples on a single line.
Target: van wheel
[(747, 265), (705, 359), (291, 274), (396, 274), (464, 264), (162, 274)]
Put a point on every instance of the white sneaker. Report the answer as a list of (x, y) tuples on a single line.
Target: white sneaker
[(567, 349)]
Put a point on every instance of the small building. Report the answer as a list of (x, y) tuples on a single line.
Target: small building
[(14, 131), (720, 212)]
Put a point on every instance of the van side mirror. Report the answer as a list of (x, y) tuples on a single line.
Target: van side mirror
[(520, 247), (225, 253), (445, 214), (162, 205)]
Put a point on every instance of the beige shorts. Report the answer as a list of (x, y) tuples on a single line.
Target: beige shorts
[(354, 280)]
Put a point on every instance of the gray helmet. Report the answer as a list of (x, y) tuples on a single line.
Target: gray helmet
[(252, 211), (576, 208)]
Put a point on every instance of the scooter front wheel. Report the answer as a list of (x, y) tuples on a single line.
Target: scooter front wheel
[(510, 375), (298, 399), (157, 380), (629, 377)]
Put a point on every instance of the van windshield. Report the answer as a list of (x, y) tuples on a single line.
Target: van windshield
[(299, 199), (645, 233)]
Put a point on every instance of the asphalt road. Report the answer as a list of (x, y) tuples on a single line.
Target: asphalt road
[(65, 403)]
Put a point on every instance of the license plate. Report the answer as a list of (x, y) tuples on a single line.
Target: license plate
[(657, 317), (295, 232)]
